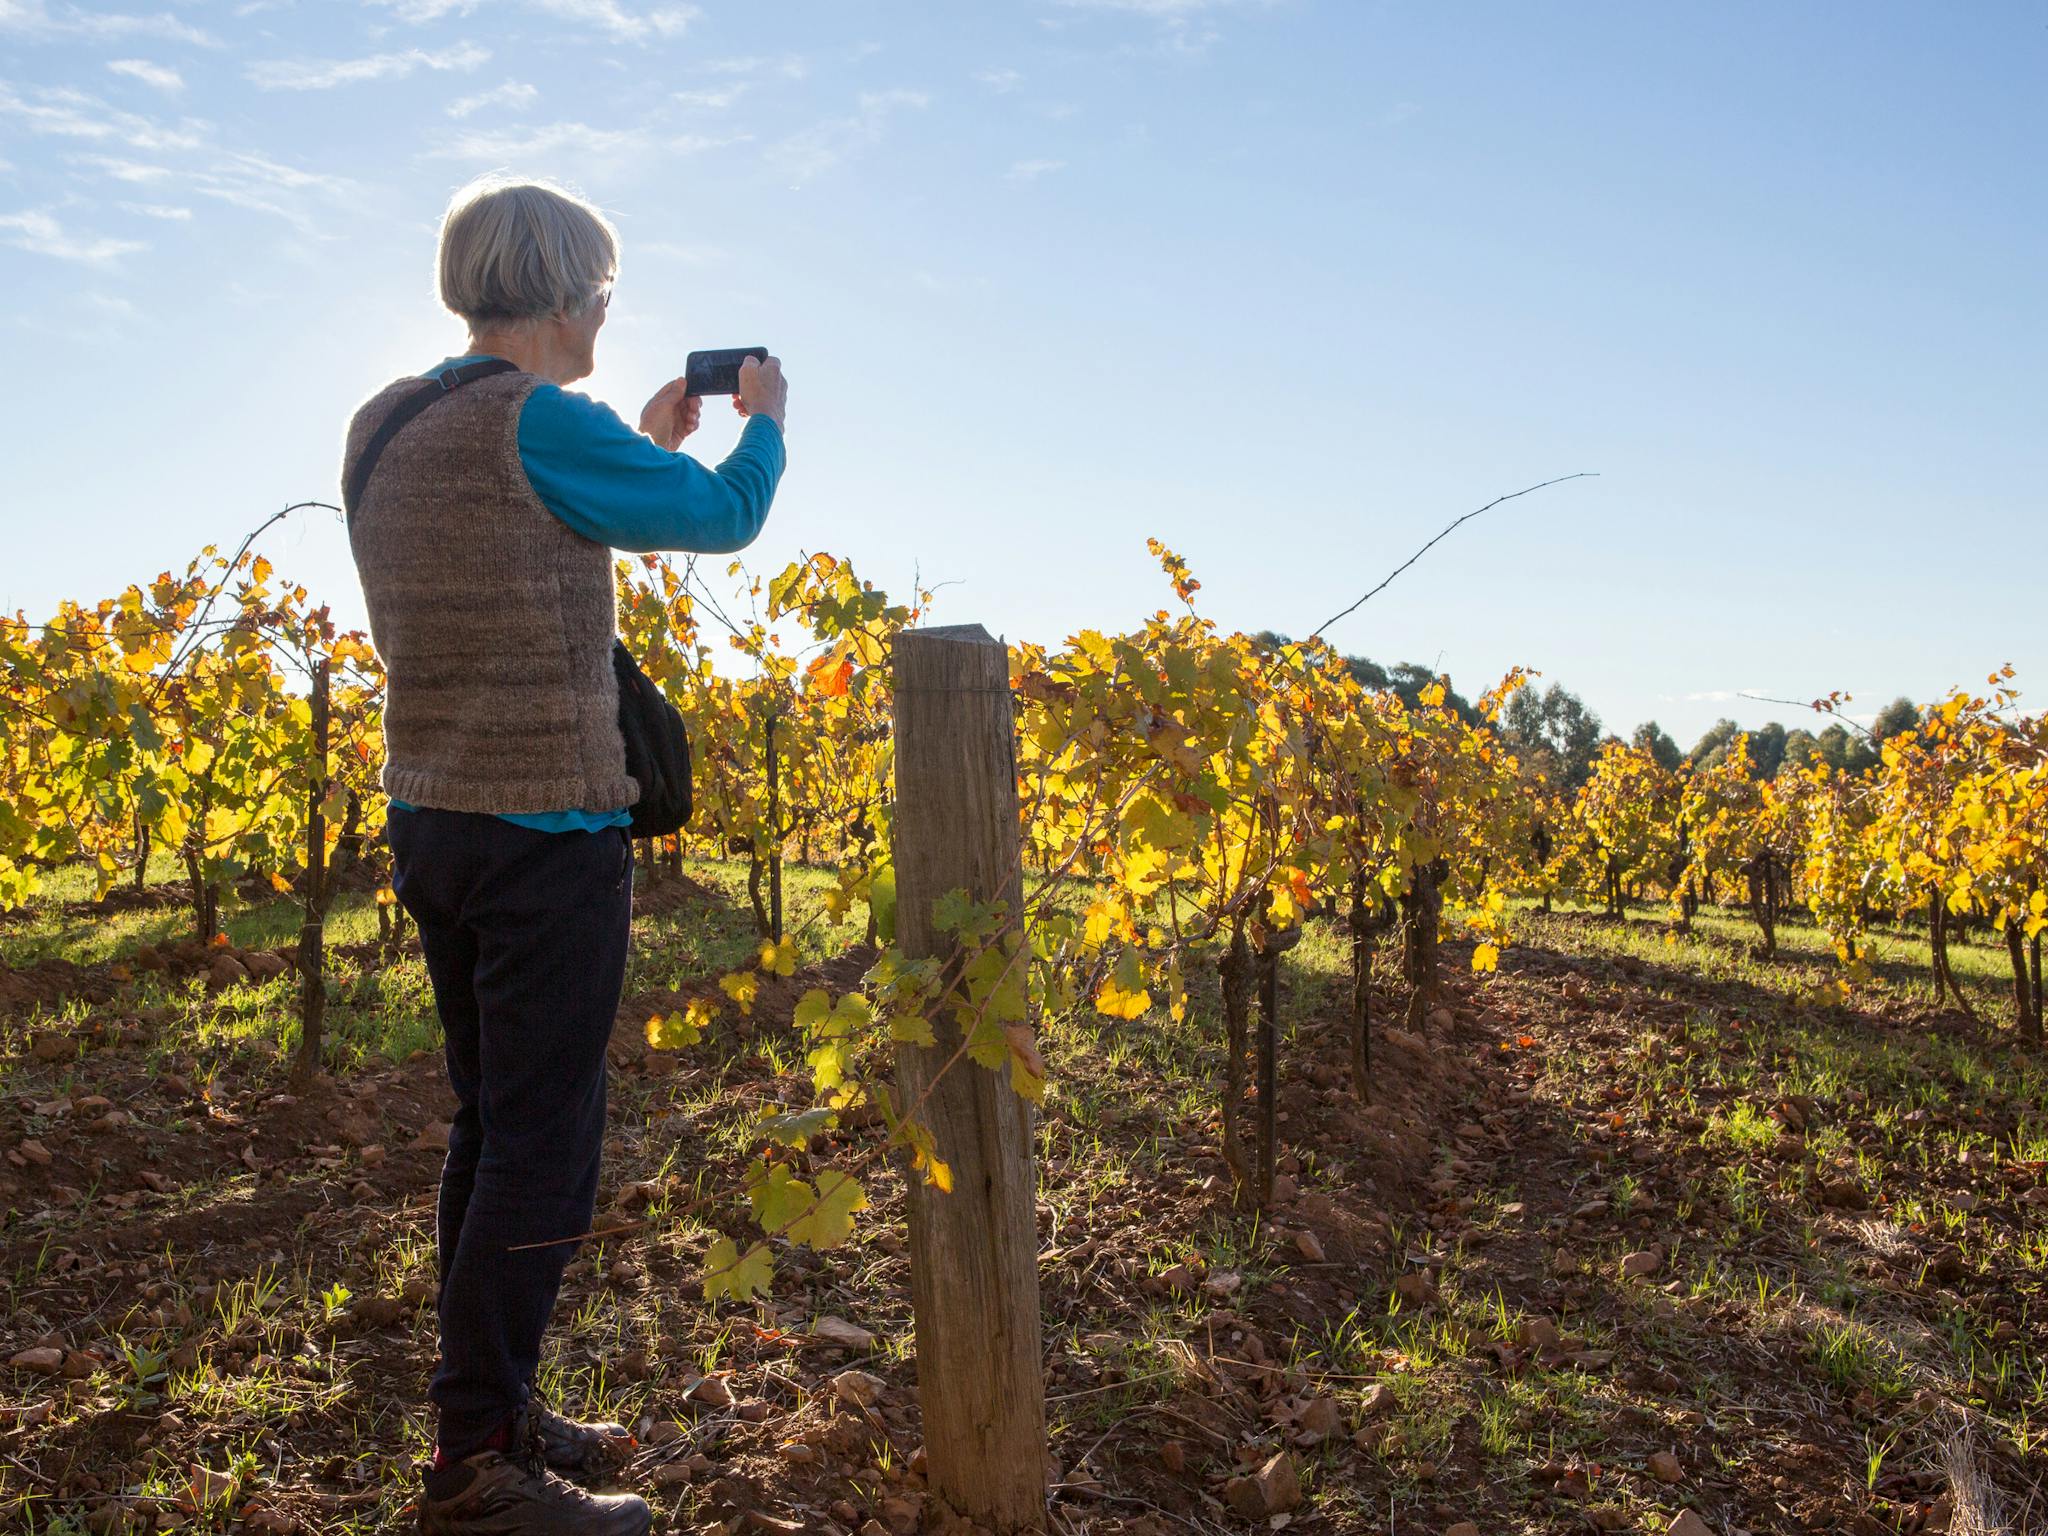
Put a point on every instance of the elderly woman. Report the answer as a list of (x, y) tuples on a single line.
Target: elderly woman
[(483, 533)]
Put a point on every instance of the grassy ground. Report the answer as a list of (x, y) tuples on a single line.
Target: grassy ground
[(1836, 1217), (1723, 946)]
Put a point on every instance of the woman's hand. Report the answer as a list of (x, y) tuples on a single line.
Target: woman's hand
[(672, 415), (763, 390)]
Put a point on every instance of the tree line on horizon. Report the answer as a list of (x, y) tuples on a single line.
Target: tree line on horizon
[(1555, 733)]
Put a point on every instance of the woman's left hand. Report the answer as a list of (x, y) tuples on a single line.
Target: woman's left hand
[(672, 415)]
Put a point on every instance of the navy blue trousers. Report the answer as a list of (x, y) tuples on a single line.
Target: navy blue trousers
[(525, 937)]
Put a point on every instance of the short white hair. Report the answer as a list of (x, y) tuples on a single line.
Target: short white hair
[(523, 250)]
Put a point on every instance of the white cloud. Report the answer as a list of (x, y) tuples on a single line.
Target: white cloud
[(791, 66), (246, 179), (162, 25), (239, 178), (714, 100), (697, 143), (551, 138), (609, 17), (1158, 10), (67, 113), (1182, 25), (803, 156), (325, 74), (627, 26), (1001, 81), (33, 17), (122, 170), (427, 10), (158, 75), (516, 95), (36, 231), (1031, 170)]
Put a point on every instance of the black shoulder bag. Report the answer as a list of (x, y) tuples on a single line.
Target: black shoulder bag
[(657, 743)]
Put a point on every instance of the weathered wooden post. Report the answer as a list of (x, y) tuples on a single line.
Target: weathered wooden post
[(973, 1251), (313, 930)]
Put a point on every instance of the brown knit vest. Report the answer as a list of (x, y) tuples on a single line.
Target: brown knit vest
[(494, 619)]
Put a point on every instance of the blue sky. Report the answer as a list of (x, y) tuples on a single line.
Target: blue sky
[(1286, 284)]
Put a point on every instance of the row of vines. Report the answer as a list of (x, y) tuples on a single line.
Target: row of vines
[(1189, 799)]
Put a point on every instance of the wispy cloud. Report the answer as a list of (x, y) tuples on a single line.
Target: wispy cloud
[(504, 145), (1183, 25), (809, 154), (326, 74), (791, 66), (161, 76), (1001, 81), (714, 100), (609, 17), (1157, 10), (697, 143), (1031, 170), (426, 10), (239, 178), (515, 95), (37, 231), (35, 19), (616, 21), (251, 180), (67, 113), (122, 170)]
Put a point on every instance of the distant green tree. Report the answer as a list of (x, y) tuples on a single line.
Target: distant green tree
[(1899, 715), (1708, 751), (1650, 738), (1406, 679), (1767, 749), (1369, 673), (1834, 746), (1801, 748), (1553, 732)]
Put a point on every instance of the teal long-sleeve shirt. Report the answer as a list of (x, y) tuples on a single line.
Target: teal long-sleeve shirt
[(620, 488)]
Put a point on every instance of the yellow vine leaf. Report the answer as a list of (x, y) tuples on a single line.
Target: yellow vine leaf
[(830, 1222), (727, 1274), (742, 987)]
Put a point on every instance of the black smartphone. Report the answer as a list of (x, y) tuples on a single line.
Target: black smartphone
[(718, 373)]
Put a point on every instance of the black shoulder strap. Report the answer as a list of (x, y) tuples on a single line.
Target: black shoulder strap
[(437, 388)]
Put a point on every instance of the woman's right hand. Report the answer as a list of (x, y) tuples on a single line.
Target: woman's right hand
[(763, 390)]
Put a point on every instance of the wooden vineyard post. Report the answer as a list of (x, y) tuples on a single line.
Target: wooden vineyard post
[(313, 932), (973, 1251), (774, 839), (323, 879), (1361, 991)]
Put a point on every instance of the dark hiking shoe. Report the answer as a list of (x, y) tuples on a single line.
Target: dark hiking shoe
[(573, 1445), (493, 1494)]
